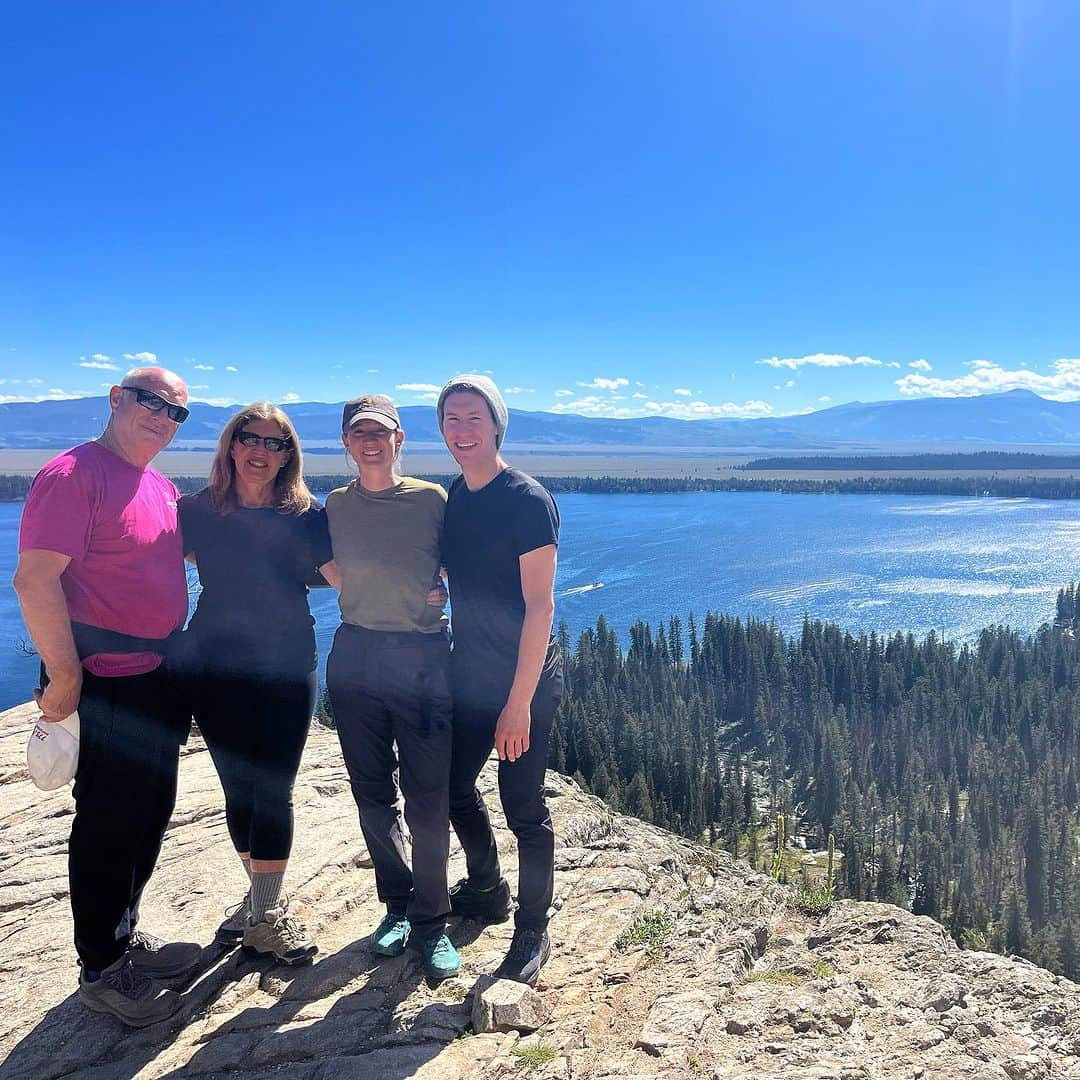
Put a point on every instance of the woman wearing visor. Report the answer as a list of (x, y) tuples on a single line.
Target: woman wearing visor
[(257, 536), (388, 677)]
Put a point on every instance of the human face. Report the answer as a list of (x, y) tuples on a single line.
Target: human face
[(469, 428), (139, 432), (257, 467), (373, 447)]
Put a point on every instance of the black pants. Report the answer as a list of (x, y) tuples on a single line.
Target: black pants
[(387, 688), (125, 789), (521, 790), (255, 729)]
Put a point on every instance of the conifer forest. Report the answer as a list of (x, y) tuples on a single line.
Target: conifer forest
[(948, 774)]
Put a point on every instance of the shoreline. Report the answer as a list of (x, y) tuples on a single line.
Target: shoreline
[(13, 488)]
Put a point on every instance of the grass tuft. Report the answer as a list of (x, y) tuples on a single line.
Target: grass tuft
[(532, 1057), (651, 930), (812, 899)]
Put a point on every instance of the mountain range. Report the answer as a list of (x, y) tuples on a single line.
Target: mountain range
[(1011, 419)]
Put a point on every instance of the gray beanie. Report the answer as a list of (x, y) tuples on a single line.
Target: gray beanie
[(482, 385)]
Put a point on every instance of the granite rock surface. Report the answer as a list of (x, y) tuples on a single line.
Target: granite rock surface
[(668, 961)]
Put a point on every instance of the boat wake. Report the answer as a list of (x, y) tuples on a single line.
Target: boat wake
[(582, 588)]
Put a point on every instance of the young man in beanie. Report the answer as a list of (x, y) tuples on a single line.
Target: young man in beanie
[(500, 537), (101, 583)]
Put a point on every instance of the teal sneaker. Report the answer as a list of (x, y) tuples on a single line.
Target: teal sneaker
[(441, 960), (390, 936)]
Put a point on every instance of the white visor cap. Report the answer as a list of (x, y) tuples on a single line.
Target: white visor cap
[(52, 752)]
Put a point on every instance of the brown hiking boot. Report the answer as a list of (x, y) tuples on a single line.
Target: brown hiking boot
[(128, 994), (281, 936)]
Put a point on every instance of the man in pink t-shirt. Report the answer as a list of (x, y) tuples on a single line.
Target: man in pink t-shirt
[(102, 587)]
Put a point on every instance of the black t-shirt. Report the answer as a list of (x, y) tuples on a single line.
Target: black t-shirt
[(254, 566), (484, 534)]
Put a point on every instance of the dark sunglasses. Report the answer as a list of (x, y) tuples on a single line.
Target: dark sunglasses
[(149, 400), (271, 442)]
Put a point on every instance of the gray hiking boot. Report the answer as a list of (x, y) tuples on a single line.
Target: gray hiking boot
[(129, 994), (281, 936), (162, 959), (236, 920)]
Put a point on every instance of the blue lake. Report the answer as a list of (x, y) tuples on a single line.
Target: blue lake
[(864, 561)]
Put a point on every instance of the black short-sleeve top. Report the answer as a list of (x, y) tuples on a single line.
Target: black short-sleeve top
[(485, 532), (254, 567)]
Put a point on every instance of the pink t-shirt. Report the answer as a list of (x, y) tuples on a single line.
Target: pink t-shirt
[(118, 525)]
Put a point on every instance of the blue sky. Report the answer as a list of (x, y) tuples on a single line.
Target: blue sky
[(692, 209)]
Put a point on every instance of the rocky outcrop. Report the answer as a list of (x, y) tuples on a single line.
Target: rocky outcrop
[(669, 961)]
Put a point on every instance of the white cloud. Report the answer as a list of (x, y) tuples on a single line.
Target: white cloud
[(683, 392), (99, 365), (825, 360), (641, 396), (701, 410), (784, 386), (54, 394), (232, 368), (419, 388), (512, 390), (920, 365), (824, 398), (569, 393), (141, 357), (201, 386), (600, 383), (204, 367), (987, 377), (373, 371), (290, 397), (594, 405), (591, 405), (220, 402)]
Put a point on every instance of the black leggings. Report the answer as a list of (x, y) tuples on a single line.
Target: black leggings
[(255, 729)]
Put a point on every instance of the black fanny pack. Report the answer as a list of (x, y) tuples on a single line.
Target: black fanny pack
[(90, 640)]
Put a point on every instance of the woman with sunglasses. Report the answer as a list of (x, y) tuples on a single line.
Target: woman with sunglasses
[(257, 536), (389, 679)]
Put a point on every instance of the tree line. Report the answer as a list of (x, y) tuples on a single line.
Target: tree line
[(948, 774), (13, 487), (985, 460)]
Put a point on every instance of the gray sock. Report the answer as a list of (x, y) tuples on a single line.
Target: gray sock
[(265, 890)]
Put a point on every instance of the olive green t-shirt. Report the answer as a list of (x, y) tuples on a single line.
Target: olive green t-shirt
[(386, 545)]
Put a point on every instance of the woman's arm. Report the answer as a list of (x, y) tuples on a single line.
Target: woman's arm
[(332, 573), (538, 589)]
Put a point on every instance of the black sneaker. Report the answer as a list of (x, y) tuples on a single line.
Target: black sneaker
[(489, 905), (529, 952)]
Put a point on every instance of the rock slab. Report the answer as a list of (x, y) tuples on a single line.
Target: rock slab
[(729, 984)]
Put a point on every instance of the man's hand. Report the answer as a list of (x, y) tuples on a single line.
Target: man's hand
[(438, 595), (61, 697), (512, 731)]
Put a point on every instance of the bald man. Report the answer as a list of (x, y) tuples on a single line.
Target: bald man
[(101, 583)]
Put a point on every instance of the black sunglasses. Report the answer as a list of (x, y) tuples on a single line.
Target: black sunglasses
[(271, 442), (149, 400)]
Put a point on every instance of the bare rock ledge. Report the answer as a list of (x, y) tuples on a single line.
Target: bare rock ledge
[(741, 987)]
